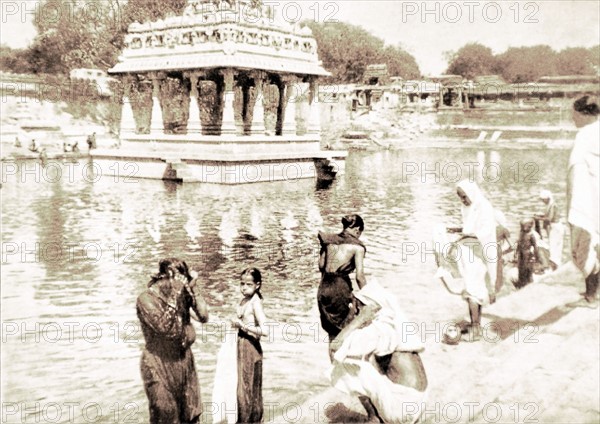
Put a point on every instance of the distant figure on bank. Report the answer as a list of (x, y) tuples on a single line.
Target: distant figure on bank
[(583, 196), (75, 147), (340, 255), (43, 155), (167, 363), (17, 142), (528, 253), (33, 146), (91, 141), (553, 229), (251, 323)]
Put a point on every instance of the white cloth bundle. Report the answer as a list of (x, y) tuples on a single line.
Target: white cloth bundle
[(226, 380)]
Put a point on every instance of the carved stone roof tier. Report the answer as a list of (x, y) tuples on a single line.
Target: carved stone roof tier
[(220, 34), (239, 60)]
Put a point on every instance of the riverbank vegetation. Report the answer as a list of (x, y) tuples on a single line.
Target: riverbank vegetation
[(523, 64)]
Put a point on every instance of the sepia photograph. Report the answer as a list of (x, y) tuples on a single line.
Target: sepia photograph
[(300, 211)]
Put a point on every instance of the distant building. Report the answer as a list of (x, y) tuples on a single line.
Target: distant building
[(376, 75), (452, 90), (95, 76), (571, 79)]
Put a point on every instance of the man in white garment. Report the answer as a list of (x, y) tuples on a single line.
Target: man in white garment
[(582, 196)]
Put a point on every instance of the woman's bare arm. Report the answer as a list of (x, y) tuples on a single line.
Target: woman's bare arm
[(259, 330), (199, 306), (359, 257), (322, 259)]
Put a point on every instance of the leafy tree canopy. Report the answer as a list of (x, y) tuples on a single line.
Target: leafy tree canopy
[(472, 60), (347, 49), (524, 64)]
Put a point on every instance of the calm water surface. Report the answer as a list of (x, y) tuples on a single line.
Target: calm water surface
[(77, 253)]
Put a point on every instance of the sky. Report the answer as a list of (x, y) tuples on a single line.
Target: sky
[(426, 29)]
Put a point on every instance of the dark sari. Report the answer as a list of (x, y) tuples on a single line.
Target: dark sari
[(335, 291), (167, 364), (249, 389)]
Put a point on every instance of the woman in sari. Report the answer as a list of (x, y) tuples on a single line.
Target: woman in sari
[(167, 363), (340, 255), (582, 196), (479, 222)]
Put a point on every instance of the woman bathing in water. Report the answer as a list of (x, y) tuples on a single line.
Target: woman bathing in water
[(251, 327), (341, 254), (167, 365)]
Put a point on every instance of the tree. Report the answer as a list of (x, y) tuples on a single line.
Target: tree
[(472, 60), (151, 10), (575, 61), (89, 34), (595, 59), (346, 50), (400, 63), (75, 35), (527, 64), (14, 60)]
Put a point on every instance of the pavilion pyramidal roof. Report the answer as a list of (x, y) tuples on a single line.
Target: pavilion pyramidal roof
[(240, 34)]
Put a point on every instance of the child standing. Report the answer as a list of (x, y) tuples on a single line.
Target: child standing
[(553, 228), (251, 324), (529, 252)]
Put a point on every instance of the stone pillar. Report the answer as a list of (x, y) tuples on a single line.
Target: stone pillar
[(313, 125), (157, 126), (290, 96), (228, 123), (128, 125), (459, 102), (194, 125), (258, 117)]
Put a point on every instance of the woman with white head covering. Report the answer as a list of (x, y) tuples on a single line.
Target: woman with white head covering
[(554, 229), (479, 221), (582, 196)]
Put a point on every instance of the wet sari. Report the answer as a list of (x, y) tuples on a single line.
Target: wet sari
[(335, 291), (249, 367), (167, 364)]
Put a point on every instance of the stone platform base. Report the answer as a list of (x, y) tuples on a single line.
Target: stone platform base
[(219, 168)]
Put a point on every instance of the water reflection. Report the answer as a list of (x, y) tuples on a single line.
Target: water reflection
[(220, 230)]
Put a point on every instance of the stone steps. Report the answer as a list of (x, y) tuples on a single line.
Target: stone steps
[(179, 171)]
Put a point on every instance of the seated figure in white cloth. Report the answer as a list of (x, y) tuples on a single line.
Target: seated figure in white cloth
[(377, 356)]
